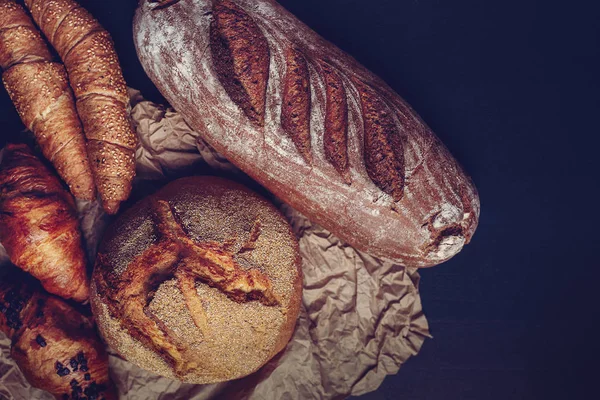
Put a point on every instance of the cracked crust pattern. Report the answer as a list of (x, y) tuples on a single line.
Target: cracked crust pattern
[(207, 269)]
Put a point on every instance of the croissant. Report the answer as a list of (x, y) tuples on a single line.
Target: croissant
[(55, 346), (39, 226), (42, 96), (97, 81)]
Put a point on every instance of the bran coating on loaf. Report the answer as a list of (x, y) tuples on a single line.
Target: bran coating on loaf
[(241, 335)]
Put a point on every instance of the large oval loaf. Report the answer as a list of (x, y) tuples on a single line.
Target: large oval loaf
[(309, 123)]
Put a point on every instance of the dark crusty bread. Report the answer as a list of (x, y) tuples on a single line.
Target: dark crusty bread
[(310, 124), (199, 282)]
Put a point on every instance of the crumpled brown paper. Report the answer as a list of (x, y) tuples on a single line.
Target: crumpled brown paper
[(361, 318)]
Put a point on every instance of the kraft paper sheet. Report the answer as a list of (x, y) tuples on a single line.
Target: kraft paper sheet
[(361, 317)]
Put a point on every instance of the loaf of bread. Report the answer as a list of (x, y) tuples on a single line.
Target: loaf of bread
[(310, 124), (102, 100), (55, 346), (39, 226), (200, 282), (40, 91)]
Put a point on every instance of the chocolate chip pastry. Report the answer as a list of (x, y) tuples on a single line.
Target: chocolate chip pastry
[(54, 345)]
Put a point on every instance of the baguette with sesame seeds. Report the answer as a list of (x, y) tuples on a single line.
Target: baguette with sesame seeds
[(100, 91), (40, 91)]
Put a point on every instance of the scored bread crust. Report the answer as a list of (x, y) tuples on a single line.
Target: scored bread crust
[(346, 151), (200, 282), (39, 226)]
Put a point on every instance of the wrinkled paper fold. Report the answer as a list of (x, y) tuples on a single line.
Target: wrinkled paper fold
[(361, 317)]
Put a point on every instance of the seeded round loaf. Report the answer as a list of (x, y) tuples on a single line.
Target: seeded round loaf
[(200, 282)]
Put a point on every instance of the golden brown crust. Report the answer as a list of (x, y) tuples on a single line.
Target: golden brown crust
[(40, 228), (61, 140), (114, 168), (51, 12), (226, 254), (105, 119), (77, 25), (240, 55), (111, 147), (21, 44), (93, 68), (42, 97), (54, 345), (12, 15), (35, 88), (41, 94), (295, 102)]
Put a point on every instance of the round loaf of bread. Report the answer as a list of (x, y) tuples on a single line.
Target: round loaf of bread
[(200, 282)]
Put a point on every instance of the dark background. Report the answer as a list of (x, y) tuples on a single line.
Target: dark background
[(512, 89)]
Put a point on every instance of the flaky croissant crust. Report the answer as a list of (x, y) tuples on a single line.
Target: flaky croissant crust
[(39, 226)]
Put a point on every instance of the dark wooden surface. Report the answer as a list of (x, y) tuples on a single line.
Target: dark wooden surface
[(512, 89)]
